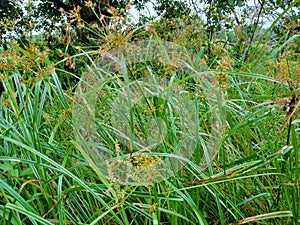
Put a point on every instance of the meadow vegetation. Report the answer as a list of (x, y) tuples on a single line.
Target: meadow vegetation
[(46, 178)]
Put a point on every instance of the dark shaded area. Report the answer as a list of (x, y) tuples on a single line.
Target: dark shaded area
[(1, 88)]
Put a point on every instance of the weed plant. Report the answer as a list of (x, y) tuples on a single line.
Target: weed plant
[(254, 179)]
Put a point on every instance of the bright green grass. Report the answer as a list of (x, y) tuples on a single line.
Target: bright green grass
[(46, 180)]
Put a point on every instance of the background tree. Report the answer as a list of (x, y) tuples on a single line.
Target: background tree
[(54, 18), (18, 18)]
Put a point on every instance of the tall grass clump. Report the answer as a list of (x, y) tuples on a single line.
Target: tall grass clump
[(46, 177)]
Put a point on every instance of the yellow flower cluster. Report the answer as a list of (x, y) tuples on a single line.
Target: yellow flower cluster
[(141, 168), (287, 69)]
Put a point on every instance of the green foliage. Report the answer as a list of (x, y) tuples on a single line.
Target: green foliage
[(45, 178)]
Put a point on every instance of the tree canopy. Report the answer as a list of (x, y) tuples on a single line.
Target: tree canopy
[(52, 17)]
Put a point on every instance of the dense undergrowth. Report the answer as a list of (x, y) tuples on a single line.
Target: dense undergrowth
[(254, 179)]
